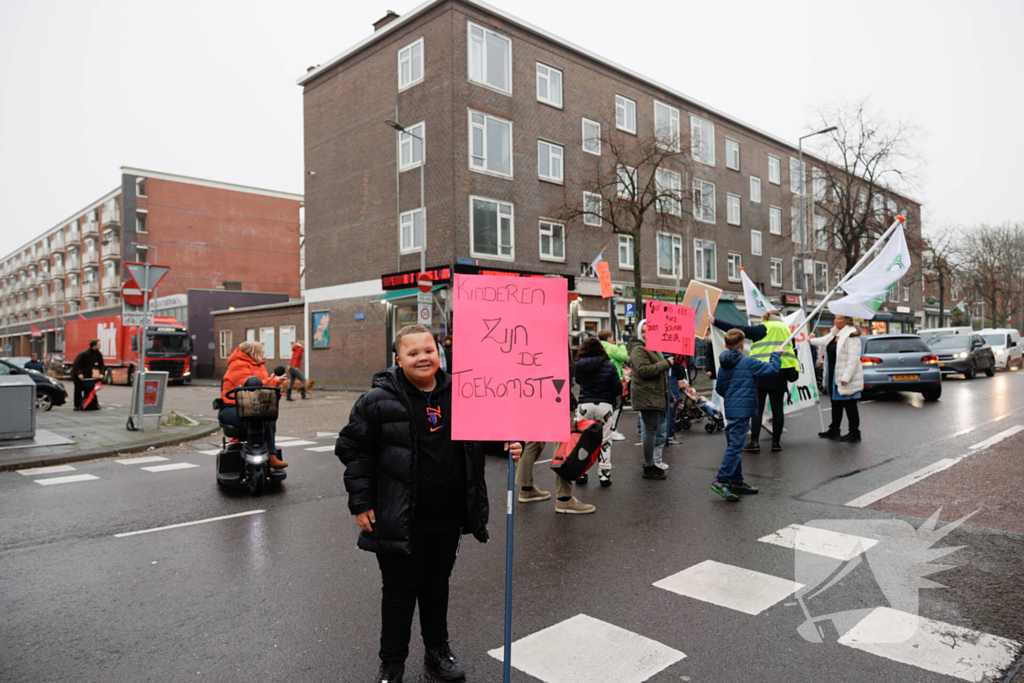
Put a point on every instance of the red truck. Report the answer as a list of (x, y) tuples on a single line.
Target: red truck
[(168, 347)]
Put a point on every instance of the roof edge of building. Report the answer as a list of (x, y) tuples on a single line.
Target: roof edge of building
[(218, 184), (59, 226), (261, 307)]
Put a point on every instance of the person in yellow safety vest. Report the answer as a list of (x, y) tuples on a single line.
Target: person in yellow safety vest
[(765, 338)]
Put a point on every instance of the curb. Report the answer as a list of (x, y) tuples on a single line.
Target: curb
[(105, 452)]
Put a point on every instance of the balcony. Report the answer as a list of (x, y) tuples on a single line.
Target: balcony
[(44, 276), (111, 216), (91, 304), (90, 258), (57, 270), (112, 250), (112, 284), (90, 289), (44, 253), (43, 300), (92, 228), (72, 291), (74, 236), (73, 264), (58, 295)]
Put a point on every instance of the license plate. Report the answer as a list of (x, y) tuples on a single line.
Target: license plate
[(942, 365), (904, 377)]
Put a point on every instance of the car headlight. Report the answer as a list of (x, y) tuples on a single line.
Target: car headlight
[(55, 382), (1000, 352), (962, 354)]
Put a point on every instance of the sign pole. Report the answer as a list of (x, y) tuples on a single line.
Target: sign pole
[(141, 389), (509, 528)]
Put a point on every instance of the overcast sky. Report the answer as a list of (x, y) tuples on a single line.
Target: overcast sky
[(208, 88)]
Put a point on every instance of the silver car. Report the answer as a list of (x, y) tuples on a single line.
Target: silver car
[(900, 362)]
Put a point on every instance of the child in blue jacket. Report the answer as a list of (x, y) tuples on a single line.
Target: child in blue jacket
[(737, 384)]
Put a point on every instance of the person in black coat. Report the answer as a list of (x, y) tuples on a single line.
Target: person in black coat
[(414, 492), (82, 367), (600, 388)]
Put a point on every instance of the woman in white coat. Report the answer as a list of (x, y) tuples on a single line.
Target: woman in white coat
[(844, 377)]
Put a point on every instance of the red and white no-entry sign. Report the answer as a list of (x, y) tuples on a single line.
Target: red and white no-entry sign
[(131, 293), (425, 282)]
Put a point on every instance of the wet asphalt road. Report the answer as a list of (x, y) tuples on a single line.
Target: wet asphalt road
[(284, 595)]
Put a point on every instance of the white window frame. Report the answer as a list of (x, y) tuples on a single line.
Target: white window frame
[(776, 269), (732, 209), (862, 201), (483, 127), (798, 263), (673, 122), (407, 52), (250, 334), (906, 293), (795, 178), (144, 215), (674, 184), (755, 236), (677, 254), (557, 103), (407, 141), (755, 189), (551, 148), (550, 225), (589, 219), (624, 172), (894, 294), (820, 233), (818, 187), (622, 104), (795, 234), (140, 186), (702, 150), (286, 350), (824, 273), (774, 170), (627, 242), (733, 263), (732, 146), (699, 206), (483, 57), (596, 140), (264, 337), (512, 230), (408, 219), (775, 227), (698, 260)]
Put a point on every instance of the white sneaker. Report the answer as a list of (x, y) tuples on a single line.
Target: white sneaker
[(661, 465), (617, 437)]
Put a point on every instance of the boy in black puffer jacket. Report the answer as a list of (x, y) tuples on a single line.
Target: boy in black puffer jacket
[(414, 491)]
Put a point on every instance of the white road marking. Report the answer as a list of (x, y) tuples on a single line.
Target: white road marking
[(728, 586), (141, 460), (321, 449), (321, 435), (901, 483), (46, 470), (198, 521), (172, 466), (583, 648), (279, 438), (993, 440), (834, 544), (65, 480), (934, 646), (289, 444), (212, 451)]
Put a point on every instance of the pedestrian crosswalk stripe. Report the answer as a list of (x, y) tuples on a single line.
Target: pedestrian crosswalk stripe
[(728, 586), (212, 451), (46, 470), (583, 648), (321, 449), (825, 542), (65, 480), (279, 438), (172, 466), (932, 645), (140, 460), (322, 435), (289, 444)]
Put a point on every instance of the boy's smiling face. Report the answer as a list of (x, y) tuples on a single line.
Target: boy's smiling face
[(417, 356)]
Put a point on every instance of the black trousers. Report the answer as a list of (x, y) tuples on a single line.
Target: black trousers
[(778, 414), (852, 415), (80, 392), (421, 577)]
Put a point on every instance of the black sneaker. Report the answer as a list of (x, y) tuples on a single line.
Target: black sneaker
[(752, 447), (583, 479), (653, 472), (722, 489), (830, 434), (851, 437), (444, 663), (605, 478), (743, 488), (390, 672)]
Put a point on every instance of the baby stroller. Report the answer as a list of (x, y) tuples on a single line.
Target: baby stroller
[(696, 408)]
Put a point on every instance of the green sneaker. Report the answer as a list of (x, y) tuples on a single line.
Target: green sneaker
[(722, 489), (743, 488)]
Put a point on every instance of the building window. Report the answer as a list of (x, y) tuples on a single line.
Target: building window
[(894, 294), (410, 144), (140, 187), (625, 183), (821, 233), (549, 85), (412, 229), (774, 170), (795, 175), (732, 209), (704, 267), (267, 339), (890, 206), (491, 230), (755, 190), (410, 65), (552, 241), (732, 154), (490, 59), (670, 188), (735, 262), (670, 255), (776, 272), (774, 220), (250, 334), (140, 223), (797, 274), (286, 333), (906, 294), (666, 126), (862, 202), (549, 161), (702, 140), (820, 277), (755, 242), (795, 229), (490, 144), (704, 201), (625, 114), (591, 137), (818, 184), (626, 252), (592, 209)]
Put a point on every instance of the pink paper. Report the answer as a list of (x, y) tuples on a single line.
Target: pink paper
[(510, 375), (669, 328)]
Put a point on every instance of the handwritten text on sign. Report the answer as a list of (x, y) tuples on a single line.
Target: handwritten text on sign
[(669, 328), (510, 375)]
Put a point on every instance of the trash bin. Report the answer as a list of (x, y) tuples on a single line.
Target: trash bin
[(17, 407)]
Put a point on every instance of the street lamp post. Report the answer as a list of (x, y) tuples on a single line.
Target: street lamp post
[(803, 230), (423, 215)]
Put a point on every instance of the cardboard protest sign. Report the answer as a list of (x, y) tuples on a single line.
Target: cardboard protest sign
[(604, 277), (669, 328), (510, 378), (703, 299)]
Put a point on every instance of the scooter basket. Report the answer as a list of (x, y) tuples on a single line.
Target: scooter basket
[(260, 402)]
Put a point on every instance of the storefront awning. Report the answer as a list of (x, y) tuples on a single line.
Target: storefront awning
[(727, 311), (403, 293)]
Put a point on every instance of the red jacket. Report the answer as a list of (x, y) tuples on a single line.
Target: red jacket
[(240, 368), (296, 361)]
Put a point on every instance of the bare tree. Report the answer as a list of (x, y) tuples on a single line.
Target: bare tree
[(940, 264), (991, 264)]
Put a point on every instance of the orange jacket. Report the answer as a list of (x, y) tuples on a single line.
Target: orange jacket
[(240, 368)]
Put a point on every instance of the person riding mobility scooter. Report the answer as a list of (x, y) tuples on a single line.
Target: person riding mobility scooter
[(244, 459)]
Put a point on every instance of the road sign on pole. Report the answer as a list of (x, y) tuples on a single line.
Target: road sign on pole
[(131, 293), (146, 275), (425, 282)]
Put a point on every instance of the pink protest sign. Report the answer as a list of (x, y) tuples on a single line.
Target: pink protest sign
[(669, 328), (510, 375)]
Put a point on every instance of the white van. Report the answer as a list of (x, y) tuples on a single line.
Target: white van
[(1005, 343)]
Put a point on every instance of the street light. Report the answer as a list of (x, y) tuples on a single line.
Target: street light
[(423, 215), (803, 231)]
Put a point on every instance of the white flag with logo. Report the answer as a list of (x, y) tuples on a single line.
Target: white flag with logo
[(803, 392), (865, 291), (757, 304)]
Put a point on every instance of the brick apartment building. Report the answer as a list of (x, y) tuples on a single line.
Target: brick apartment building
[(212, 235), (500, 118)]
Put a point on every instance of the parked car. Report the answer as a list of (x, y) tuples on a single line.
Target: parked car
[(18, 360), (964, 354), (1005, 343), (900, 362), (49, 392)]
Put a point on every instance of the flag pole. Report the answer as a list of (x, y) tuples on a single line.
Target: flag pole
[(881, 240)]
